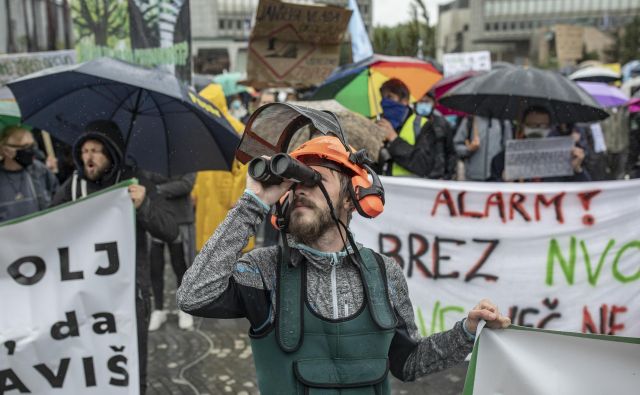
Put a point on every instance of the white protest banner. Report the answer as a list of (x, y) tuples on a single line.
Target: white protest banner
[(460, 62), (562, 256), (13, 66), (517, 361), (67, 299)]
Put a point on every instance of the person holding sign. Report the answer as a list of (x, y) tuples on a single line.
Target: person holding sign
[(326, 313), (536, 124), (98, 155), (26, 185)]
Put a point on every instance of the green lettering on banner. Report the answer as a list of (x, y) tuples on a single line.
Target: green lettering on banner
[(616, 272), (437, 318), (177, 54), (568, 268), (591, 276)]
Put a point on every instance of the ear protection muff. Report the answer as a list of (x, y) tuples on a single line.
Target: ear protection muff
[(367, 195)]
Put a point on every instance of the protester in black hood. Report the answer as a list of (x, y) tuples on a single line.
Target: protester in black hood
[(99, 159)]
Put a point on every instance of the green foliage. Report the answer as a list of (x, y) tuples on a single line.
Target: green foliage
[(107, 22), (626, 46), (630, 41), (403, 39)]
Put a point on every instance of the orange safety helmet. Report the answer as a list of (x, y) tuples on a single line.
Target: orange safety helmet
[(329, 151)]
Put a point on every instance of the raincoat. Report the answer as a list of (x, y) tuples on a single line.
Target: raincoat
[(215, 192)]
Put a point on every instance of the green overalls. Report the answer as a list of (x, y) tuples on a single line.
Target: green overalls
[(308, 354)]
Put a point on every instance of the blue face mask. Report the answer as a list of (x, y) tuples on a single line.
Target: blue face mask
[(394, 112), (424, 108), (452, 119)]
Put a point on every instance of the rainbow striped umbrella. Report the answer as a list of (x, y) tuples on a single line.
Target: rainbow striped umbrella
[(357, 85)]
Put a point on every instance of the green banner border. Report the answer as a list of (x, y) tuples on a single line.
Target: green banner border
[(122, 184), (471, 371)]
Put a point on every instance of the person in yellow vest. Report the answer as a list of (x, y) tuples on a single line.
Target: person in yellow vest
[(215, 192), (407, 151)]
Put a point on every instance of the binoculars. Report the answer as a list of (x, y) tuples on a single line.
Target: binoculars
[(282, 167)]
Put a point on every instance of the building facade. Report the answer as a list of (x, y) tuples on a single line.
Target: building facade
[(506, 26), (34, 25)]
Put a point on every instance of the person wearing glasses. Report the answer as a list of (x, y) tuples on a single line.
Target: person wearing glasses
[(26, 185)]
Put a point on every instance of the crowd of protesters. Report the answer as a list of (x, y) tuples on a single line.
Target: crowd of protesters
[(179, 213)]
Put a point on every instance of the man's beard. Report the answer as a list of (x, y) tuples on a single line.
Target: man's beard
[(96, 173), (313, 226)]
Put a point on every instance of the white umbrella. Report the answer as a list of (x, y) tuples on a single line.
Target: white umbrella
[(628, 86), (595, 74)]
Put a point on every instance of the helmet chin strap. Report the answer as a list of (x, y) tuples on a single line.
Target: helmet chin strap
[(285, 212), (354, 247)]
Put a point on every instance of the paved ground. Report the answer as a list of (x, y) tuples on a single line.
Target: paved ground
[(215, 358)]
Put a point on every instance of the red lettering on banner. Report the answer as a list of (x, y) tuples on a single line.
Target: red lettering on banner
[(495, 199), (514, 203), (556, 201), (608, 324), (463, 211), (444, 197), (585, 199)]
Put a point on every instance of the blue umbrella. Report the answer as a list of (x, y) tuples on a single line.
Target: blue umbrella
[(168, 128)]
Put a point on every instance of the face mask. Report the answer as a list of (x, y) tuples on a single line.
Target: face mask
[(394, 112), (536, 133), (235, 105), (452, 119), (424, 108), (24, 157)]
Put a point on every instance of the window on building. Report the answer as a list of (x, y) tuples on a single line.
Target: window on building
[(221, 24), (504, 26), (513, 26), (465, 28), (496, 26), (522, 25), (239, 24), (487, 27), (530, 24)]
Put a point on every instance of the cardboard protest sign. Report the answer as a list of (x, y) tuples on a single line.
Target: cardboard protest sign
[(67, 297), (517, 361), (295, 45), (532, 158), (459, 62), (551, 255)]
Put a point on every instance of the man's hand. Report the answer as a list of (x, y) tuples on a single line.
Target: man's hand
[(137, 193), (473, 145), (486, 310), (577, 157), (386, 125), (52, 164), (269, 194)]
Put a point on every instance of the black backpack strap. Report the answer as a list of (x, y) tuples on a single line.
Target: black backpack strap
[(289, 317), (376, 289)]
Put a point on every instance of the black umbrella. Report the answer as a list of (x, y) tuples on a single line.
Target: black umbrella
[(506, 92), (168, 128)]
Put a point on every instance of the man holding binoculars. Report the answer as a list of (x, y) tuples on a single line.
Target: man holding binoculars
[(327, 315)]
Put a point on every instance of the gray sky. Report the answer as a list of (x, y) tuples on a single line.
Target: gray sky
[(392, 12)]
